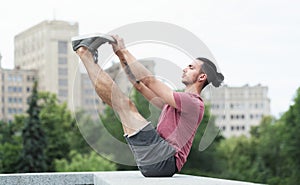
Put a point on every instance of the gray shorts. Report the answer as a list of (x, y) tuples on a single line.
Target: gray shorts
[(154, 155)]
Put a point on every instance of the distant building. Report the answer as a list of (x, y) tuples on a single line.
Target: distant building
[(15, 88), (238, 108), (46, 47)]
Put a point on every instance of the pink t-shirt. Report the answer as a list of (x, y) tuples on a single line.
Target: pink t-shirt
[(178, 126)]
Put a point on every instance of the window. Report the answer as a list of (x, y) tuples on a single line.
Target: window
[(62, 47), (30, 78), (89, 91), (20, 110), (19, 78), (63, 82), (62, 60), (10, 78), (63, 92), (14, 78), (14, 89), (62, 71), (224, 128), (231, 117)]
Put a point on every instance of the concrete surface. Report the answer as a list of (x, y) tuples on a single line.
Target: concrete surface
[(135, 177), (109, 178), (72, 178)]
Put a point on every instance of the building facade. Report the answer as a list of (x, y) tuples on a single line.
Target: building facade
[(237, 109), (46, 47), (16, 86)]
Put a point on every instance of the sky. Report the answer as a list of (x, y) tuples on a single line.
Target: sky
[(253, 41)]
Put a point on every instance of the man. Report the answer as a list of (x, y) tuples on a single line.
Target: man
[(163, 151)]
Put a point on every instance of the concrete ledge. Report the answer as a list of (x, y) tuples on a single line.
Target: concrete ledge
[(135, 177), (109, 178), (72, 178)]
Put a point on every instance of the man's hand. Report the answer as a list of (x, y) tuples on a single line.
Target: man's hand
[(119, 44)]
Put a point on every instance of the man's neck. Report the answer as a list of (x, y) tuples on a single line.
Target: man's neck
[(192, 89)]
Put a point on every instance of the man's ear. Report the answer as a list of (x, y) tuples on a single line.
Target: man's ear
[(202, 77)]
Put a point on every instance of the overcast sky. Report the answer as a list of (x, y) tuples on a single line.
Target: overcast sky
[(253, 41)]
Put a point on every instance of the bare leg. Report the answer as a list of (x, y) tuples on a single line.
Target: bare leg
[(110, 93)]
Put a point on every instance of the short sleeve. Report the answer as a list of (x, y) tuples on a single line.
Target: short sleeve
[(187, 102)]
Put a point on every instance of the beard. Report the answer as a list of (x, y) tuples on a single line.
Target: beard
[(188, 82)]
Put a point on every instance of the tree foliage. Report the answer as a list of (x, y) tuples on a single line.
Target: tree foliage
[(270, 155), (33, 157), (84, 162), (10, 146)]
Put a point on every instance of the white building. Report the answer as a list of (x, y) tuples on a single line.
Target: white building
[(238, 108), (46, 47), (15, 88)]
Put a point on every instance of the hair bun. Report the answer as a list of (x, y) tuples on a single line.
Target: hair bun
[(217, 81)]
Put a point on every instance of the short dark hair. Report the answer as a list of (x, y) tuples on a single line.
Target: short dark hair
[(210, 69)]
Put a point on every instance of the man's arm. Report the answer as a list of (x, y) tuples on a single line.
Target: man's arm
[(142, 78), (149, 95)]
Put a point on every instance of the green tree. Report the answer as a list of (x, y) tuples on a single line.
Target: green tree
[(76, 137), (56, 121), (10, 146), (33, 157), (85, 162), (270, 155), (290, 143), (278, 147), (266, 142)]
